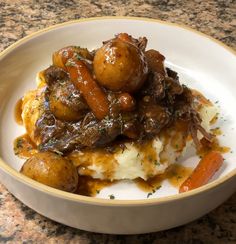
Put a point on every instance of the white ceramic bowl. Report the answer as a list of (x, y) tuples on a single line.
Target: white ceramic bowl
[(201, 62)]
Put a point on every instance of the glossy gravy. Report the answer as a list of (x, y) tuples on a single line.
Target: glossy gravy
[(211, 146), (91, 187), (176, 174), (24, 147), (18, 112)]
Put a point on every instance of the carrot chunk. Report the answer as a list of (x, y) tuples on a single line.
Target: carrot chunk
[(92, 93), (204, 171)]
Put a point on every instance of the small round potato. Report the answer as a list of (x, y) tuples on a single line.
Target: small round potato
[(120, 66), (62, 111), (53, 170), (66, 103)]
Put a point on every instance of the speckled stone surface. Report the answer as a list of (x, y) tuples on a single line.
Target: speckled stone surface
[(20, 224)]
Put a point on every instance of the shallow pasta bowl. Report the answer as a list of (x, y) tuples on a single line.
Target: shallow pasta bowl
[(201, 62)]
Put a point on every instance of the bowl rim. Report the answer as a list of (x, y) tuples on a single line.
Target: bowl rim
[(99, 201)]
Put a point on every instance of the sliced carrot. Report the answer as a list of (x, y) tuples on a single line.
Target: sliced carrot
[(92, 93), (204, 171)]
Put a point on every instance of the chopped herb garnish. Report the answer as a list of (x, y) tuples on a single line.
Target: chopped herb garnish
[(69, 63), (19, 143), (153, 191), (102, 130), (79, 57), (157, 163), (70, 96), (112, 196), (149, 158)]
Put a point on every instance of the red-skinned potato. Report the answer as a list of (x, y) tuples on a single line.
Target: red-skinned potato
[(120, 66)]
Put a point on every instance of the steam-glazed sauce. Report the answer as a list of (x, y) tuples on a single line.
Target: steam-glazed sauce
[(176, 175), (24, 147), (18, 112)]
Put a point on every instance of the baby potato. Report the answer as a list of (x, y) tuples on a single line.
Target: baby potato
[(120, 66), (62, 111), (53, 170), (66, 103)]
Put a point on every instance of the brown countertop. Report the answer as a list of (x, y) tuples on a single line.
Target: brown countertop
[(217, 18)]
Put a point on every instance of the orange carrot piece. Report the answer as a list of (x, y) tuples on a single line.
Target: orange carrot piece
[(60, 57), (204, 171), (125, 37), (92, 93)]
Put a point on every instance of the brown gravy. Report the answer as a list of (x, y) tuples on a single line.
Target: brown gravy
[(149, 157), (176, 175), (24, 147), (18, 112), (214, 120), (91, 187), (211, 146), (216, 131)]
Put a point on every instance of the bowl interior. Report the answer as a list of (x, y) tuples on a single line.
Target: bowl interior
[(201, 64)]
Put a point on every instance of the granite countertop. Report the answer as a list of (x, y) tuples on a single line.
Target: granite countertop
[(216, 18)]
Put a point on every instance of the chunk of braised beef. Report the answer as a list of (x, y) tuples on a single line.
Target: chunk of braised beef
[(142, 43), (173, 86), (171, 73), (47, 127), (100, 133), (183, 104), (131, 126), (155, 61), (88, 133), (154, 118), (154, 87)]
